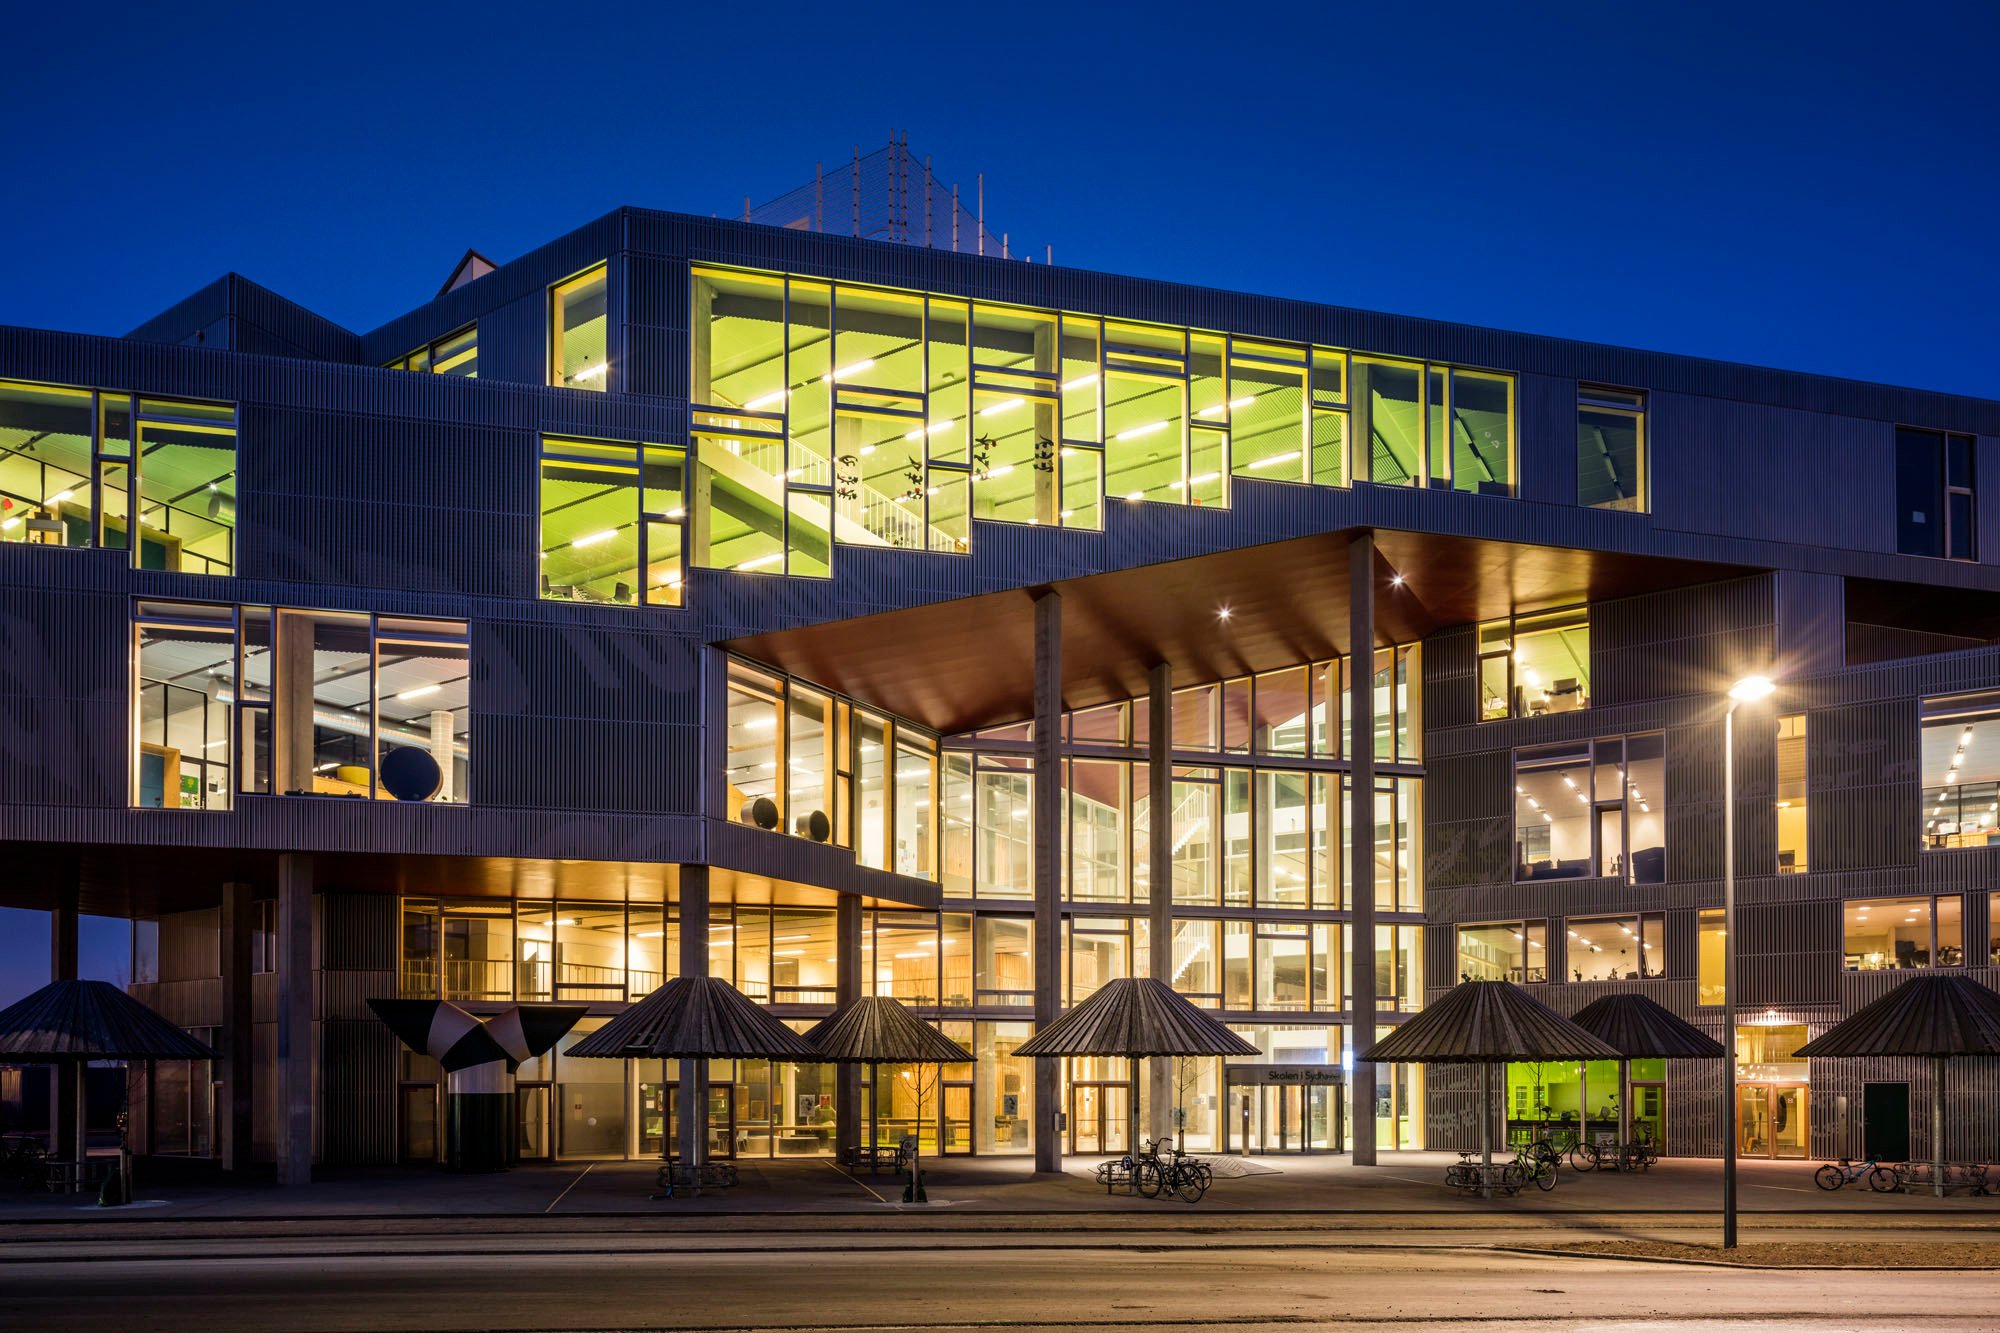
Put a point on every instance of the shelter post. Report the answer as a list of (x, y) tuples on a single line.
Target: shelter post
[(1047, 824), (846, 990), (1160, 881), (66, 1143), (693, 1083), (1360, 743), (295, 1011), (1486, 1128), (1937, 1124)]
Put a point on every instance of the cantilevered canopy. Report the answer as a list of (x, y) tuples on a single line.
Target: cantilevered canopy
[(90, 1020), (1640, 1029), (1487, 1022), (697, 1018), (1135, 1016), (1936, 1016), (878, 1030)]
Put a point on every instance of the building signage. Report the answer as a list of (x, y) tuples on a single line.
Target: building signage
[(1295, 1075)]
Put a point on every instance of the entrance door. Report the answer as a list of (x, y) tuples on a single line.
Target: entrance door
[(957, 1117), (1885, 1121), (1771, 1120), (534, 1105), (417, 1110), (1099, 1118)]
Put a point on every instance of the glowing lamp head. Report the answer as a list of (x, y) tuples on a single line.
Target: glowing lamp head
[(1752, 688)]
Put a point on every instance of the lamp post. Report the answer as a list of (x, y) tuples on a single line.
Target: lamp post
[(1748, 690)]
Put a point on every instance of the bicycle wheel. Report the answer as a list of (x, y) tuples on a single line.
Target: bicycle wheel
[(1207, 1175), (1829, 1177), (1188, 1185), (1883, 1181), (1148, 1177), (1512, 1177), (1583, 1157), (1545, 1176)]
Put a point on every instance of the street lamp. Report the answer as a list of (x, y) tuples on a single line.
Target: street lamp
[(1749, 690)]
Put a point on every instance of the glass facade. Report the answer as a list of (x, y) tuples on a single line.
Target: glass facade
[(831, 413), (154, 477), (1534, 665), (1960, 771), (1879, 934), (1611, 448), (456, 354), (579, 350), (1592, 809)]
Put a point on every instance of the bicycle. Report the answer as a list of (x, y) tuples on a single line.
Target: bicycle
[(1537, 1169), (1880, 1178), (1473, 1177), (1178, 1174)]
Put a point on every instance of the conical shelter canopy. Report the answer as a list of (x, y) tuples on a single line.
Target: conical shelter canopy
[(1642, 1029), (1936, 1016), (1487, 1022), (90, 1020), (697, 1018), (877, 1030), (1136, 1016), (1941, 1017)]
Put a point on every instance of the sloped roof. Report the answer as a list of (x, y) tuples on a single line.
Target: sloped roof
[(1135, 1016), (1487, 1022), (1934, 1015), (878, 1030), (696, 1018), (91, 1020), (1642, 1029)]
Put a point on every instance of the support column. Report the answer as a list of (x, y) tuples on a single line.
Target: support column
[(235, 1109), (295, 1014), (1047, 825), (1360, 742), (1163, 1085), (693, 1079), (66, 1109), (846, 990)]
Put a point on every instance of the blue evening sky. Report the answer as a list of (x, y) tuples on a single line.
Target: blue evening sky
[(1813, 186)]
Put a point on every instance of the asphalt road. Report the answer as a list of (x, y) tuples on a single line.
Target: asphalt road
[(939, 1281)]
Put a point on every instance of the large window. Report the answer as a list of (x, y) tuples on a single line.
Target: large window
[(456, 354), (497, 949), (1515, 951), (1611, 448), (1791, 794), (338, 703), (611, 523), (1936, 498), (186, 677), (1709, 956), (1878, 934), (1592, 809), (830, 413), (1616, 948), (76, 465), (1530, 665), (578, 345), (1961, 771)]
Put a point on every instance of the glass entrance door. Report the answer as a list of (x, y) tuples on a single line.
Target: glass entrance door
[(1099, 1118), (1771, 1120), (534, 1105)]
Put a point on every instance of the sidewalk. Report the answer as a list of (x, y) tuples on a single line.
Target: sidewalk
[(1404, 1184)]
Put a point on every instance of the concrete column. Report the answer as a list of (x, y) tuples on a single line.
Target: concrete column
[(295, 1015), (1360, 742), (1160, 874), (847, 988), (693, 1081), (1047, 824), (235, 1110), (66, 1109)]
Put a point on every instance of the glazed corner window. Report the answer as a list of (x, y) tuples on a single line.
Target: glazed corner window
[(1936, 499), (1616, 948), (1791, 794), (579, 346), (612, 522), (1610, 448), (74, 464), (457, 354), (1880, 934), (1592, 809), (1515, 951), (183, 687), (337, 703), (1961, 772), (1530, 665)]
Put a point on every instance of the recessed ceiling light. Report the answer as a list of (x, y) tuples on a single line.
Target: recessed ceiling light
[(1223, 613)]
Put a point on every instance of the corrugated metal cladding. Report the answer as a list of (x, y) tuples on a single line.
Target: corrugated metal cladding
[(357, 1056), (65, 661), (1687, 641), (1862, 785)]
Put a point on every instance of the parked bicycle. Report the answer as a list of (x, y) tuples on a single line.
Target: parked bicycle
[(1637, 1154), (1175, 1173), (677, 1177), (1536, 1169), (1469, 1175), (1832, 1177)]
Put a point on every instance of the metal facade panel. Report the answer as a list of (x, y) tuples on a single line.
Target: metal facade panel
[(1862, 785)]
